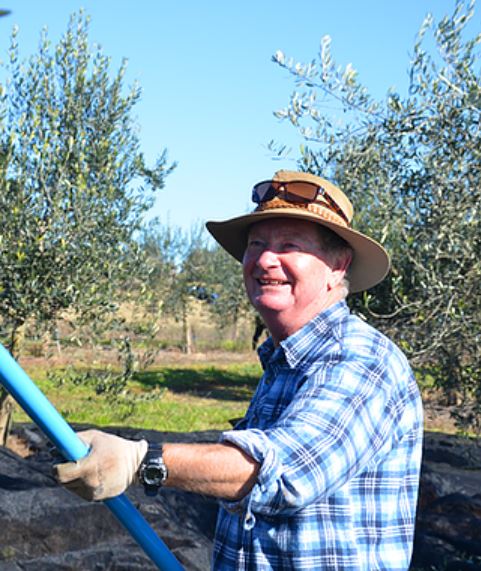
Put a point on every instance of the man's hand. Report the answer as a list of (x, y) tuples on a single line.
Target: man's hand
[(108, 470)]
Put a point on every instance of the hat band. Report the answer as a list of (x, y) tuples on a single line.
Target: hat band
[(321, 210)]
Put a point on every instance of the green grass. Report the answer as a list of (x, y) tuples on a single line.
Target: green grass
[(173, 398)]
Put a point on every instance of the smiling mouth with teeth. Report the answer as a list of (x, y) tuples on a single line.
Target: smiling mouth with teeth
[(272, 282)]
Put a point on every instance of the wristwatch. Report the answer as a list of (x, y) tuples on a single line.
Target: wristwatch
[(152, 470)]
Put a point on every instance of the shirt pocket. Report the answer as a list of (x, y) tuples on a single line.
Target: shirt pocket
[(274, 401)]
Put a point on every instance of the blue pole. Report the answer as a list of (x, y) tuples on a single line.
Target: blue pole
[(60, 433)]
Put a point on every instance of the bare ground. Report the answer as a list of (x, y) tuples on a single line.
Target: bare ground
[(108, 356)]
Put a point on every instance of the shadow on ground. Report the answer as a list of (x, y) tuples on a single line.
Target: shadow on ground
[(209, 382)]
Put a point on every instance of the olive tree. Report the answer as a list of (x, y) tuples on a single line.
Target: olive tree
[(225, 281), (411, 165), (179, 261), (187, 269), (74, 185)]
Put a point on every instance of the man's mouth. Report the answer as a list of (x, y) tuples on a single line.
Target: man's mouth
[(272, 282)]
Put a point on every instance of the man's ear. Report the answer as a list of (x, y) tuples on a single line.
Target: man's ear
[(339, 270)]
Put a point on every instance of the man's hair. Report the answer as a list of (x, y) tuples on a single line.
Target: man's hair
[(332, 242), (336, 247)]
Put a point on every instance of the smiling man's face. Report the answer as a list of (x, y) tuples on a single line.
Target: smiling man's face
[(287, 274)]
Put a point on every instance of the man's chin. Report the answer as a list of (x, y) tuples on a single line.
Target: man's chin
[(271, 304)]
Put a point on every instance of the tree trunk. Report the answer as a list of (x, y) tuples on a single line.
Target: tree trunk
[(56, 337), (235, 332), (6, 410), (187, 328), (6, 401)]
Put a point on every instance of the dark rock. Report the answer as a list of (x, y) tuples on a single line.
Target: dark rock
[(45, 528), (448, 528), (458, 451), (430, 552)]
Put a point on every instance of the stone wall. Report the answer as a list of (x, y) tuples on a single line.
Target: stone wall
[(45, 528)]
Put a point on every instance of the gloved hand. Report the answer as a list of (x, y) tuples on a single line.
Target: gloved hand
[(108, 470)]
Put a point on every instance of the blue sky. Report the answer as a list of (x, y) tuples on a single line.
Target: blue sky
[(209, 85)]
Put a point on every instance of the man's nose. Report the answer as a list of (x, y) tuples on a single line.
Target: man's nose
[(268, 258)]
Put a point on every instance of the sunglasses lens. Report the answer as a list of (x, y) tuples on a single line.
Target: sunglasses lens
[(262, 192), (301, 191), (296, 191)]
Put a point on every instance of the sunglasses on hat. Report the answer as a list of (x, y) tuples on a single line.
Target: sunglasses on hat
[(296, 192)]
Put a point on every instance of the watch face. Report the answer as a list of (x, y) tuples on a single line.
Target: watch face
[(153, 471), (153, 475)]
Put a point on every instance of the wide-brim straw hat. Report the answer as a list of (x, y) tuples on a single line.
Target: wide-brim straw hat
[(370, 262)]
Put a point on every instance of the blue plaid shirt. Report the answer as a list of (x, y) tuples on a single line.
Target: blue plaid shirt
[(336, 424)]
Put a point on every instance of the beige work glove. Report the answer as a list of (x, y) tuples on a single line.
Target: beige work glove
[(108, 470)]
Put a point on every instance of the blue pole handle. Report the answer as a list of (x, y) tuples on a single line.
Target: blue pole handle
[(60, 433)]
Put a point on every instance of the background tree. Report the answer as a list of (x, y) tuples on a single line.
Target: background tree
[(164, 249), (411, 165), (225, 281), (74, 185), (187, 269), (180, 262)]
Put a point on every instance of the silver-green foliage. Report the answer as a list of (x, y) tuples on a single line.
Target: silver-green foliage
[(73, 182), (178, 263), (226, 280), (412, 166), (187, 269)]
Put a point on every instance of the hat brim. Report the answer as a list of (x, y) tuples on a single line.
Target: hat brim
[(370, 263)]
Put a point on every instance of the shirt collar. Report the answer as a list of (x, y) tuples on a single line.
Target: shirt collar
[(299, 346), (265, 351)]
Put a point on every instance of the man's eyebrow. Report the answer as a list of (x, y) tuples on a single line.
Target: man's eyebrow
[(295, 236)]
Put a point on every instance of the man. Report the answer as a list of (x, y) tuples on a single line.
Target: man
[(323, 471)]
